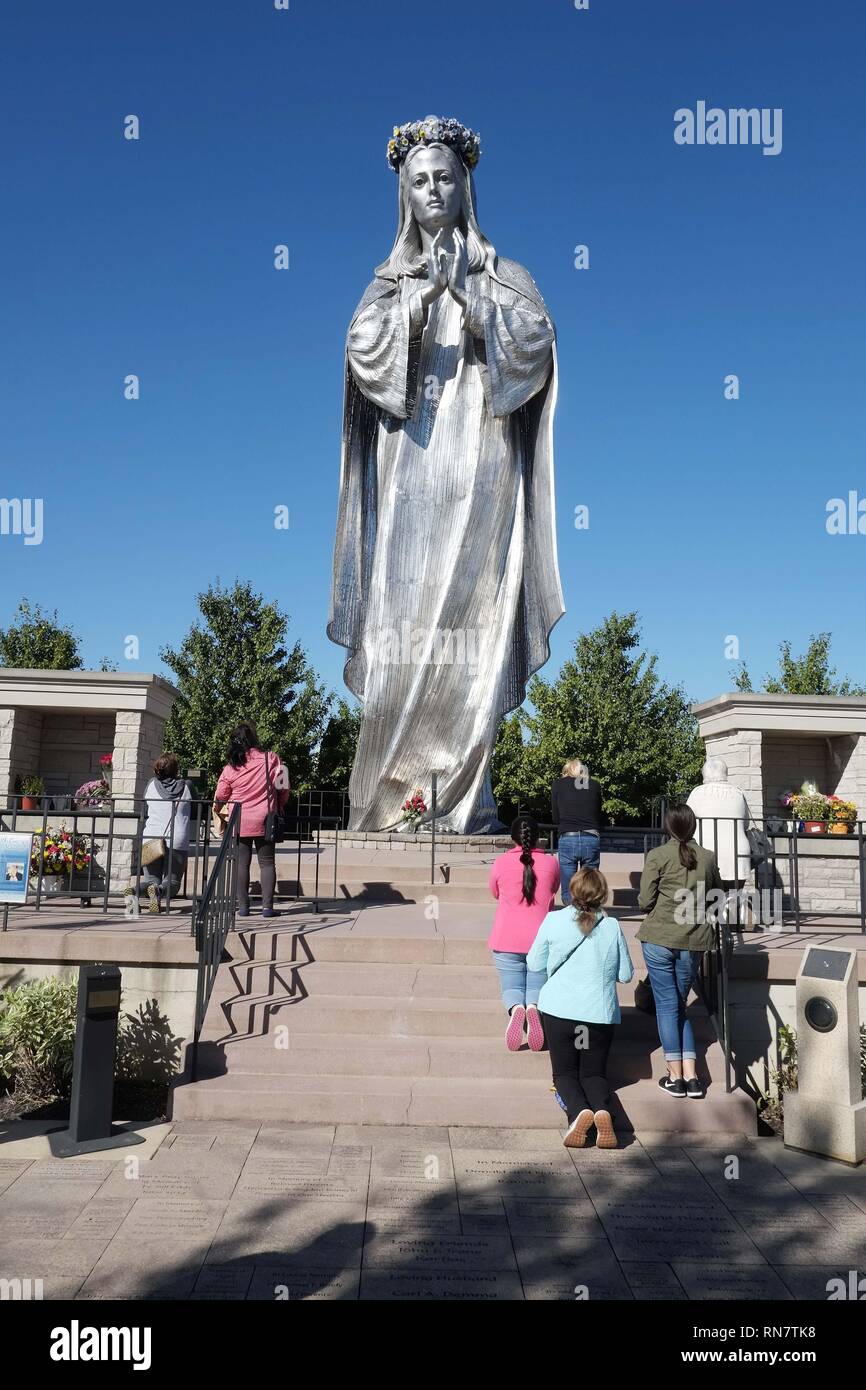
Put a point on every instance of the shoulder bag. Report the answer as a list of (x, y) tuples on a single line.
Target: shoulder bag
[(275, 830)]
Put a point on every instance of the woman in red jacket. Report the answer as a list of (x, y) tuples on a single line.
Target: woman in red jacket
[(260, 782)]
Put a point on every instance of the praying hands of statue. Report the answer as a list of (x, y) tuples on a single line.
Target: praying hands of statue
[(437, 270), (458, 264)]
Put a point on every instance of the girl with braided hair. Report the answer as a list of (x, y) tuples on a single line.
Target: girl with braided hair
[(524, 881)]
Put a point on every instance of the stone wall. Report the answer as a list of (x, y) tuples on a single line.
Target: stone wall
[(20, 736), (847, 767), (72, 745), (62, 747), (138, 741), (789, 761), (828, 874), (742, 751)]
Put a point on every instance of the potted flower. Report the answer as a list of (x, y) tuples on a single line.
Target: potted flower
[(90, 796), (414, 807), (811, 808), (31, 789), (60, 855), (106, 766), (843, 815), (787, 800)]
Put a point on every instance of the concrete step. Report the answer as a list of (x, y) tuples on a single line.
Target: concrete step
[(395, 889), (312, 1054), (394, 1016), (274, 979), (389, 1027), (287, 946), (442, 1101)]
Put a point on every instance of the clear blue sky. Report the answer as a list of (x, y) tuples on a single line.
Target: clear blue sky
[(261, 126)]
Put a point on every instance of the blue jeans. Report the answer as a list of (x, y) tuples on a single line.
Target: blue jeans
[(671, 974), (584, 851), (518, 985)]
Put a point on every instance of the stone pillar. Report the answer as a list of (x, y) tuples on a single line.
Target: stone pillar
[(742, 753), (137, 743), (847, 764), (20, 747)]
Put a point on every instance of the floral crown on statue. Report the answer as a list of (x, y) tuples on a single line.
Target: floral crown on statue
[(434, 130)]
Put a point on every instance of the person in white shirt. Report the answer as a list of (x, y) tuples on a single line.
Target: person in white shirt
[(722, 813)]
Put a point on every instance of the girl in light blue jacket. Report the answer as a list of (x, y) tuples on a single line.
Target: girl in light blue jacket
[(585, 954)]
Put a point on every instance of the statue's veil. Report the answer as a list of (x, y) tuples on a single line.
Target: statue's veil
[(406, 257)]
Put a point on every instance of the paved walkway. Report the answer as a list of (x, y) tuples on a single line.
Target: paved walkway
[(229, 1211)]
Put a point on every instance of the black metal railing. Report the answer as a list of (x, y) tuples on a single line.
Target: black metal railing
[(99, 835), (213, 919), (308, 829), (94, 835), (323, 803), (711, 986)]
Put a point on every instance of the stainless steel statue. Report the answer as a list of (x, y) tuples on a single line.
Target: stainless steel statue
[(446, 583)]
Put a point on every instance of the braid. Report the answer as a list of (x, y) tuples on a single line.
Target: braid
[(529, 876)]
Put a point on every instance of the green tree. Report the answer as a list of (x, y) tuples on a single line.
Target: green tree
[(38, 641), (337, 749), (236, 667), (509, 770), (809, 674), (608, 707)]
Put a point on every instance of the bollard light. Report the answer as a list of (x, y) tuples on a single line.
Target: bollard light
[(90, 1128), (826, 1114)]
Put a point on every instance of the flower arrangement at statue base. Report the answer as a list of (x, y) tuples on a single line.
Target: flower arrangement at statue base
[(414, 807), (843, 815), (815, 814), (92, 796), (62, 857)]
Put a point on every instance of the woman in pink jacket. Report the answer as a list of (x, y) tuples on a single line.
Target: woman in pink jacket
[(260, 782), (524, 880)]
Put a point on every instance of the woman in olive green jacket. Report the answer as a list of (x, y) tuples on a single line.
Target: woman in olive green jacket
[(676, 892)]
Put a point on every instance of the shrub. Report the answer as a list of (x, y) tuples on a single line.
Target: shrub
[(37, 1035), (37, 1040), (784, 1076)]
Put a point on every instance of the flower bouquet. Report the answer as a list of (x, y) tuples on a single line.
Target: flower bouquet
[(811, 807), (59, 853), (106, 763), (842, 814), (414, 807), (92, 795)]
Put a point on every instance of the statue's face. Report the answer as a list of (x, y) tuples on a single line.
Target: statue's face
[(434, 193)]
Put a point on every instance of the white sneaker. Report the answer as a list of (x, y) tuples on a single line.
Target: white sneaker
[(575, 1135)]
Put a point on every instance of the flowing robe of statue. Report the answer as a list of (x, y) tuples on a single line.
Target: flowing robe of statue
[(446, 583)]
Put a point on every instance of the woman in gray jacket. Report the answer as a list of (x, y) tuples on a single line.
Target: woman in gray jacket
[(169, 802)]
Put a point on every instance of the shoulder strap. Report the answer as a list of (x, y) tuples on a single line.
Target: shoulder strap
[(583, 938)]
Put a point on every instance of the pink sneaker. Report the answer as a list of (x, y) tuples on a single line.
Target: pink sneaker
[(514, 1031), (534, 1029)]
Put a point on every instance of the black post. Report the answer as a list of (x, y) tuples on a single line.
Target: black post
[(93, 1067), (433, 778)]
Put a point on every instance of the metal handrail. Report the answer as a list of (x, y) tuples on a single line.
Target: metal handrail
[(213, 919)]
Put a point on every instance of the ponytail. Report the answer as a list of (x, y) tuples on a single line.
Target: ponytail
[(680, 823), (588, 890), (524, 832)]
